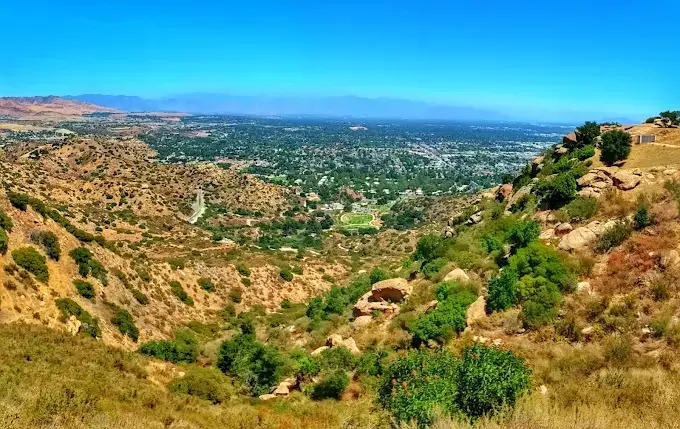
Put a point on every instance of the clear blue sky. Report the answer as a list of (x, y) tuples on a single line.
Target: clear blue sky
[(597, 55)]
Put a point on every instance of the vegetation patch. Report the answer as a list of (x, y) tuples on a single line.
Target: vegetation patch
[(32, 261)]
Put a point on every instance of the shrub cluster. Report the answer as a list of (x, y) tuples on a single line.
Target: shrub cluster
[(48, 240), (481, 382), (337, 300), (85, 289), (331, 386), (32, 261), (87, 265), (68, 308), (614, 236), (206, 284), (177, 290), (183, 349), (204, 383), (123, 320)]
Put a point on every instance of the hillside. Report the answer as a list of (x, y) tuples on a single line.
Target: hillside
[(548, 301), (46, 107)]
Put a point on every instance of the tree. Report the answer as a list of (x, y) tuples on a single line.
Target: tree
[(524, 232), (331, 386), (502, 291), (674, 116), (615, 146), (32, 261), (587, 133)]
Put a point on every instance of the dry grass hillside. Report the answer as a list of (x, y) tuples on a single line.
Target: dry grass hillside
[(46, 107)]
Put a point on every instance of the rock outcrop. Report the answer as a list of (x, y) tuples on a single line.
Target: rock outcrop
[(382, 297), (584, 235), (457, 274), (476, 311)]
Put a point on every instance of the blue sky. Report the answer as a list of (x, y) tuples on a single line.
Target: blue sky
[(593, 56)]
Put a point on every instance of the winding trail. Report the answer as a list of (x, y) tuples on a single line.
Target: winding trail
[(198, 206)]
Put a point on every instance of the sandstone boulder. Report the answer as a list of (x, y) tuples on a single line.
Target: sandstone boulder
[(577, 239), (334, 340), (521, 192), (625, 180), (564, 228), (320, 350), (548, 234), (281, 390), (73, 325), (583, 287), (476, 311), (392, 290), (351, 345), (504, 192), (267, 397), (457, 275), (362, 322)]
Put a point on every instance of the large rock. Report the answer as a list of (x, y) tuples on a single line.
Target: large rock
[(521, 192), (267, 397), (351, 345), (564, 228), (362, 322), (577, 239), (625, 180), (281, 390), (392, 290), (320, 350), (504, 192), (476, 311), (334, 340), (73, 325), (457, 275)]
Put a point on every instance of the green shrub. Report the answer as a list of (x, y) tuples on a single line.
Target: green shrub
[(32, 261), (502, 291), (330, 387), (18, 200), (257, 366), (206, 284), (429, 247), (587, 134), (418, 384), (642, 217), (123, 320), (236, 294), (615, 146), (524, 232), (204, 383), (581, 209), (6, 222), (585, 152), (540, 307), (177, 290), (85, 289), (68, 308), (176, 263), (557, 191), (539, 260), (243, 270), (337, 358), (140, 296), (434, 267), (488, 380), (4, 241), (614, 236), (286, 274), (183, 349), (49, 242), (378, 274), (87, 265)]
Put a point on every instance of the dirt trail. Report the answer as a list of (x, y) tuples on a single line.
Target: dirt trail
[(198, 207)]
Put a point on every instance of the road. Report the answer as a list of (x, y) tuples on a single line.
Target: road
[(198, 206)]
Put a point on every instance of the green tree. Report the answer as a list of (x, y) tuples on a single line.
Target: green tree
[(85, 289), (5, 222), (674, 116), (615, 146), (330, 387), (502, 291), (183, 349), (32, 261), (123, 320), (524, 232), (204, 383), (4, 241), (642, 217), (587, 133)]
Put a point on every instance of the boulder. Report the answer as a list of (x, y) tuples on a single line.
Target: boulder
[(456, 275), (521, 192), (73, 325), (362, 322), (267, 397), (564, 228), (548, 234), (351, 345), (583, 287), (625, 180), (281, 390), (476, 311), (542, 389), (334, 340), (393, 290), (577, 239), (366, 308), (587, 331), (650, 176), (504, 192), (587, 179), (670, 171), (474, 219), (320, 350)]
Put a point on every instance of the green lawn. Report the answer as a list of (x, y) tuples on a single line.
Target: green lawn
[(356, 219)]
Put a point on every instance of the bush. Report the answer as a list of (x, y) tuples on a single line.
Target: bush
[(418, 384), (434, 267), (615, 146), (378, 274), (502, 291), (539, 260), (32, 261), (581, 209), (558, 191), (331, 386), (204, 383), (587, 133), (585, 152), (206, 284), (642, 217), (429, 247), (183, 349), (5, 222), (488, 380), (614, 236), (87, 265), (177, 290), (236, 294), (540, 307), (524, 232), (257, 366), (18, 200), (337, 358), (243, 270), (4, 241), (123, 320), (85, 289), (49, 242), (68, 308), (140, 296), (447, 318), (286, 274)]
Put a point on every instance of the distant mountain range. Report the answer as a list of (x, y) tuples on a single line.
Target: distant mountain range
[(337, 106), (344, 106)]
